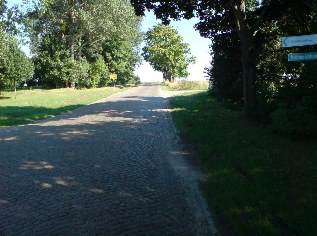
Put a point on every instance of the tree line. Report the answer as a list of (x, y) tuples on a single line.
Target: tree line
[(14, 64), (83, 42), (71, 42), (249, 64)]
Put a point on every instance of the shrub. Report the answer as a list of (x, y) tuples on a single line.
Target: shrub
[(298, 120)]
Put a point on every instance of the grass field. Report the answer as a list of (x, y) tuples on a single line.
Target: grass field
[(31, 105), (258, 183), (185, 85)]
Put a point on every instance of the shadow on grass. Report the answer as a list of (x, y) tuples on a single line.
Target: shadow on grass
[(2, 97), (258, 183), (11, 115)]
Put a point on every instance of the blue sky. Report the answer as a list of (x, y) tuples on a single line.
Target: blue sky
[(199, 48)]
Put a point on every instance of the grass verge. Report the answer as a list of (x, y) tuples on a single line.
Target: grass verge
[(185, 85), (31, 105), (258, 183)]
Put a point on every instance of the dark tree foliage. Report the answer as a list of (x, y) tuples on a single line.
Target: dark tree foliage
[(225, 72), (272, 87), (166, 10), (214, 16), (244, 17), (286, 90)]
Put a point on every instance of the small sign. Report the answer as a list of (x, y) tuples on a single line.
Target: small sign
[(308, 56), (303, 40), (113, 76)]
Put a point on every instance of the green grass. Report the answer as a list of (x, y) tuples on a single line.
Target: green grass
[(31, 105), (258, 183), (185, 85)]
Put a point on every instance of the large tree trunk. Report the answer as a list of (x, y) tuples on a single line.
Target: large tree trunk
[(164, 76), (167, 76), (248, 65), (172, 73)]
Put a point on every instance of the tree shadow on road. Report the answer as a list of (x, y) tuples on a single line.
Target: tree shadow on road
[(90, 168), (12, 115)]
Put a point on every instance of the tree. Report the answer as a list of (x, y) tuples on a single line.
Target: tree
[(215, 11), (79, 73), (248, 16), (166, 52), (225, 71), (122, 56), (15, 67), (18, 67), (52, 62), (80, 24), (98, 70), (76, 30), (3, 60)]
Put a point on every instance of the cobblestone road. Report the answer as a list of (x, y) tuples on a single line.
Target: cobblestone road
[(110, 168)]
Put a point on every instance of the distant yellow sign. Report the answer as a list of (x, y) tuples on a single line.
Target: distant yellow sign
[(113, 76)]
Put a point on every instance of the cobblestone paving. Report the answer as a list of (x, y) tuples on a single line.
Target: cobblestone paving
[(103, 169)]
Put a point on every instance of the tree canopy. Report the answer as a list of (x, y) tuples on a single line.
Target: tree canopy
[(15, 67), (248, 57), (71, 42), (243, 17), (67, 36), (166, 52)]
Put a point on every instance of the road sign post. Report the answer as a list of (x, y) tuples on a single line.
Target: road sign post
[(113, 77), (299, 41)]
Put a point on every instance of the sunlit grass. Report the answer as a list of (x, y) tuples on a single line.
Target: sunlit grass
[(185, 85), (258, 183), (31, 105)]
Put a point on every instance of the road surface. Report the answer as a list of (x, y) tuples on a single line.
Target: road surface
[(114, 167)]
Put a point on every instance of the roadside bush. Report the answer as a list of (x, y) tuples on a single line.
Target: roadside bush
[(299, 120), (98, 70), (225, 70), (80, 73)]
